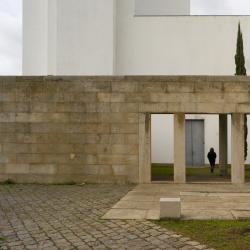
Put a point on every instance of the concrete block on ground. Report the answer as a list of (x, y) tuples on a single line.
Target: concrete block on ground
[(170, 208)]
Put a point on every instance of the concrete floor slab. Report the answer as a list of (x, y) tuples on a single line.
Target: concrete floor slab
[(206, 214), (153, 214), (137, 204), (241, 214), (198, 201)]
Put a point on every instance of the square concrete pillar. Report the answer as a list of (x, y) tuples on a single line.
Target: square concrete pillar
[(238, 168), (144, 148), (223, 144), (179, 148)]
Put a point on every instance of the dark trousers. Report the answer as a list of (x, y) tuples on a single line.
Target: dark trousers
[(212, 165)]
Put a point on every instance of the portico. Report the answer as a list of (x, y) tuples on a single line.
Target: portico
[(237, 148), (206, 97)]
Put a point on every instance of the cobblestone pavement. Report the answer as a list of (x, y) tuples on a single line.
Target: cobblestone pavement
[(69, 217)]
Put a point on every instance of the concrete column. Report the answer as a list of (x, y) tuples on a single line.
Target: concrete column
[(238, 168), (145, 148), (179, 148), (223, 144)]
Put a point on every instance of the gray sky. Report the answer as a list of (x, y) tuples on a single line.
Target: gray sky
[(10, 37), (220, 7)]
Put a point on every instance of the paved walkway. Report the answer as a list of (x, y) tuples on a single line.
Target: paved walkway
[(198, 201), (69, 217)]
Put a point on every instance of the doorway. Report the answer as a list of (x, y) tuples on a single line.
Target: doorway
[(162, 148), (195, 142)]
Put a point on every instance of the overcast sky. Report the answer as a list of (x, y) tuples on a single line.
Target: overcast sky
[(220, 7), (10, 37), (11, 26)]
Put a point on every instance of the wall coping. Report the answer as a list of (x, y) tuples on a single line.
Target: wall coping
[(138, 78)]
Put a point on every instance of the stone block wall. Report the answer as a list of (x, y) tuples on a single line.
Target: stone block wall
[(62, 129), (67, 129)]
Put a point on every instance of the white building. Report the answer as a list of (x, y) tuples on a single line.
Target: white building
[(132, 37)]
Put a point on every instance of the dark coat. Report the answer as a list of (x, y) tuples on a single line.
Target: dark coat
[(211, 156)]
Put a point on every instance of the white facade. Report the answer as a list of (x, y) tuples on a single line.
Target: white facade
[(35, 37), (96, 37), (84, 37), (183, 45), (62, 37)]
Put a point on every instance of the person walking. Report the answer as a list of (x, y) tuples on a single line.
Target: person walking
[(212, 158)]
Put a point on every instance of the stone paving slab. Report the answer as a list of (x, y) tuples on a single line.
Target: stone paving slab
[(241, 214), (206, 214), (198, 201), (69, 217)]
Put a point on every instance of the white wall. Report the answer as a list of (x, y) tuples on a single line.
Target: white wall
[(162, 138), (194, 45), (52, 37), (35, 37), (85, 43), (104, 37), (64, 37)]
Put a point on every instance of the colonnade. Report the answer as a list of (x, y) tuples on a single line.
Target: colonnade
[(237, 147)]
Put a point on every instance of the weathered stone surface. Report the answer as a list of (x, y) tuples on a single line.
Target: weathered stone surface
[(42, 169), (69, 217), (17, 169), (179, 148), (89, 127), (122, 128), (238, 168), (125, 107)]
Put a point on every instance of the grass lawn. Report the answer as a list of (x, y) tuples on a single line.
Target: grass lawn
[(167, 171), (221, 235)]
